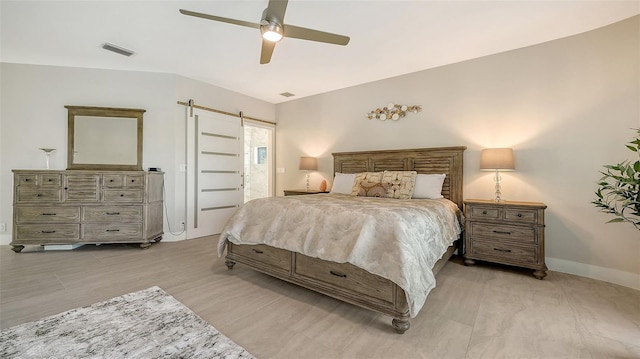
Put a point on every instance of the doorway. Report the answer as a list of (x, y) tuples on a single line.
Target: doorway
[(258, 160)]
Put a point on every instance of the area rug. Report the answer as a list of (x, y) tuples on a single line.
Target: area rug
[(145, 324)]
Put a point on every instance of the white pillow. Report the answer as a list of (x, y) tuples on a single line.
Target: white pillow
[(343, 183), (428, 186)]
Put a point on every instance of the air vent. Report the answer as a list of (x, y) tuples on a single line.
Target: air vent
[(117, 49), (287, 94)]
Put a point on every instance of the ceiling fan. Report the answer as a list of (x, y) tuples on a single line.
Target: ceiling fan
[(273, 28)]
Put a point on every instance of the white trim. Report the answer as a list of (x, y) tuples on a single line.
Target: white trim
[(627, 279)]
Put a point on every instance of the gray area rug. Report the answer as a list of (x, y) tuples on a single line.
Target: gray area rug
[(145, 324)]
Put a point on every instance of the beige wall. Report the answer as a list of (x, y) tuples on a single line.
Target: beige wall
[(32, 115), (566, 107)]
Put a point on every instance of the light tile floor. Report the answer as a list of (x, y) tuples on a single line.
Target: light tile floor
[(484, 311)]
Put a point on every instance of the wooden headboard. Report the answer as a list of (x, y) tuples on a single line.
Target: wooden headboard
[(447, 160)]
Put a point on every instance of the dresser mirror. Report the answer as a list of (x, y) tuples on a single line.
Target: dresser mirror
[(104, 138)]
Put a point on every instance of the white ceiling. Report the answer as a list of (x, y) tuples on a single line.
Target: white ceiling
[(388, 38)]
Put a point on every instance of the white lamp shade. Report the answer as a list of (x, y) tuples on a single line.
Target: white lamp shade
[(308, 163), (492, 159)]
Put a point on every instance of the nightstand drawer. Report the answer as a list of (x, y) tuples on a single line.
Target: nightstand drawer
[(484, 212), (524, 235), (521, 215), (508, 254)]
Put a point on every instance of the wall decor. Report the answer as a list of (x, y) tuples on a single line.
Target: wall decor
[(392, 112)]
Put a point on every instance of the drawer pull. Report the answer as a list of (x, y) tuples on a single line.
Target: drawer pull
[(48, 214), (133, 181), (502, 250), (257, 251), (121, 194), (48, 231), (520, 215), (338, 274), (113, 230), (27, 180), (110, 180), (39, 195), (113, 213), (502, 232), (484, 212)]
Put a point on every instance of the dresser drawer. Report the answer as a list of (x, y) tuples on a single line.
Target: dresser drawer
[(38, 195), (47, 231), (345, 275), (518, 234), (112, 213), (275, 257), (111, 232), (503, 253), (483, 212), (122, 195), (26, 180), (119, 180), (47, 214)]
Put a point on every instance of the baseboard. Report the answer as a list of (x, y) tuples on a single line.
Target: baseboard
[(626, 279)]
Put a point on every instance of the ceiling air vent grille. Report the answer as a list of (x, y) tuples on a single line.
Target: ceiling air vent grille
[(117, 49), (287, 94)]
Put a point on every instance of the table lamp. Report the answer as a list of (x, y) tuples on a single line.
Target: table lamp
[(308, 164), (497, 159)]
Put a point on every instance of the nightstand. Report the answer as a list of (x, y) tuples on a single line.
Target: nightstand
[(505, 232), (298, 192)]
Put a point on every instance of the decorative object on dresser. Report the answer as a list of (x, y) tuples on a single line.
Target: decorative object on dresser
[(308, 164), (86, 207), (497, 159), (297, 192), (47, 156), (505, 232)]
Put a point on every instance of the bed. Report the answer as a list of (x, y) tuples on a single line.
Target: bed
[(363, 279)]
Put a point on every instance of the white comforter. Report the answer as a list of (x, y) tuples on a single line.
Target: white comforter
[(396, 239)]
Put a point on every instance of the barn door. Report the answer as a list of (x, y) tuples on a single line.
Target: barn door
[(214, 171)]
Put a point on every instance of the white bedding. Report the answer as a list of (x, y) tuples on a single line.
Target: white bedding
[(396, 239)]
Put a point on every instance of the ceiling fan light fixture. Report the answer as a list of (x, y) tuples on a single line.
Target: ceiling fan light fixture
[(271, 32)]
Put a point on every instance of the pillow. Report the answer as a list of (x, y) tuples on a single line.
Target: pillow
[(401, 183), (343, 183), (373, 189), (367, 177), (429, 186)]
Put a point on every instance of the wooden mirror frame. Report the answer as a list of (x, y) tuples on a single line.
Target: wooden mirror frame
[(74, 111)]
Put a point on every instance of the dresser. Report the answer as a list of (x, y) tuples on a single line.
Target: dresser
[(505, 232), (86, 207)]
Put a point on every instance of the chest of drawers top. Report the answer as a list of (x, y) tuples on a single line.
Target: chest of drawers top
[(531, 213)]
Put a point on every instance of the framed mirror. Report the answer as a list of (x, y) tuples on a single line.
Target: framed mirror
[(104, 138)]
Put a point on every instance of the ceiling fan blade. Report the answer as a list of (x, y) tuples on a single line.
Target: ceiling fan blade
[(267, 51), (221, 19), (275, 11), (303, 33)]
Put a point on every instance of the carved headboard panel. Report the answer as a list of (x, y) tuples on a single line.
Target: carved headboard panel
[(447, 160)]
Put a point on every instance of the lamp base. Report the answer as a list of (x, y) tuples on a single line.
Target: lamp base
[(498, 193)]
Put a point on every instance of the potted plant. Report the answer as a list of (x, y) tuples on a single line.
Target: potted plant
[(618, 190)]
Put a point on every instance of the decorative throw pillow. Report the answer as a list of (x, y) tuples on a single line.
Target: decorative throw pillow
[(401, 183), (372, 189), (366, 177), (429, 186), (343, 183)]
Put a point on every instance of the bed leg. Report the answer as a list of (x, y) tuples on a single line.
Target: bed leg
[(229, 264), (400, 325)]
